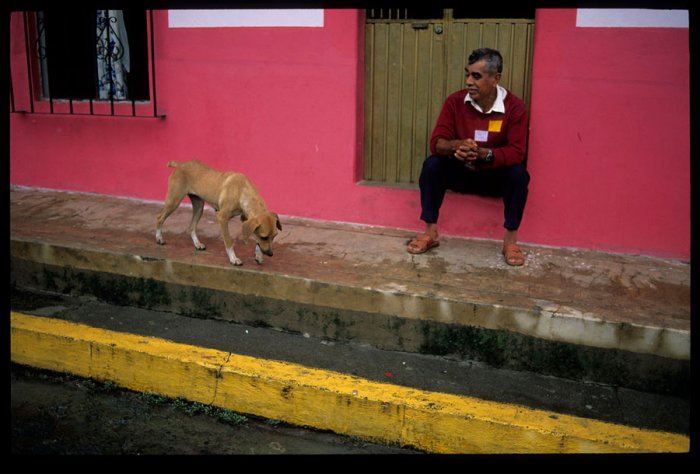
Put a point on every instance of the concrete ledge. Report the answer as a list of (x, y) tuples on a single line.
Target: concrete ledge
[(433, 422), (546, 321), (498, 348), (345, 312)]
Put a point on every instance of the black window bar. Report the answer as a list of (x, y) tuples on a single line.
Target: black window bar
[(34, 83)]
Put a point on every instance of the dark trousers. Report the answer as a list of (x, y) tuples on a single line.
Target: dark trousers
[(441, 173)]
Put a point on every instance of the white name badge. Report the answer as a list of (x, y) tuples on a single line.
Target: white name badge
[(481, 135)]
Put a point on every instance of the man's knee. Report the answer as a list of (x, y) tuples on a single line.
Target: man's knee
[(518, 176), (433, 163), (432, 167)]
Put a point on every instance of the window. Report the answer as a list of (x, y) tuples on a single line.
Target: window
[(87, 58)]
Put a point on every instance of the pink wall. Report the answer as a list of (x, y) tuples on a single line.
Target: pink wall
[(283, 105), (610, 137)]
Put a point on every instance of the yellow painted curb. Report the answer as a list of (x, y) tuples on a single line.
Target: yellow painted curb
[(434, 422)]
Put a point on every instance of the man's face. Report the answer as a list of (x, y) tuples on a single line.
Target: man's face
[(479, 83)]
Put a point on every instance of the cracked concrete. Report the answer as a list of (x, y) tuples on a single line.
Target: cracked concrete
[(360, 283)]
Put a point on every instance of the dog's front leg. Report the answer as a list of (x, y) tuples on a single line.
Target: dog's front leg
[(223, 218), (232, 257), (258, 254)]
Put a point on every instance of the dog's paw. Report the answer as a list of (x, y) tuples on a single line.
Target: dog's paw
[(200, 246), (258, 255), (233, 258), (160, 241)]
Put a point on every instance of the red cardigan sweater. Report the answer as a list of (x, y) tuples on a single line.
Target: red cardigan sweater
[(504, 133)]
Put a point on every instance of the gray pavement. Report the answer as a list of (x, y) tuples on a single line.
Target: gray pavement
[(57, 414), (427, 372), (595, 335), (610, 318)]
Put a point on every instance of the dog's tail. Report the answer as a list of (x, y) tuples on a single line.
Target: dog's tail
[(173, 164)]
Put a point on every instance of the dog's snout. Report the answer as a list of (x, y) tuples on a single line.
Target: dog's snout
[(268, 252)]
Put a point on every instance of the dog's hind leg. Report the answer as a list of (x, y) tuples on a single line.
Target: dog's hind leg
[(197, 208), (162, 215), (172, 201)]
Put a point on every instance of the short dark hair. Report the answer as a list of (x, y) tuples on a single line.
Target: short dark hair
[(493, 58)]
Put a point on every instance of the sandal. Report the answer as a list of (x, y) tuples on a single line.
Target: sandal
[(513, 255), (421, 244)]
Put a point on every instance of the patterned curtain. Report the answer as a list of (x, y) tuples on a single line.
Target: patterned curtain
[(112, 55)]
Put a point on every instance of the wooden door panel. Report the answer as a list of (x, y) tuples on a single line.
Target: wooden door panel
[(411, 66)]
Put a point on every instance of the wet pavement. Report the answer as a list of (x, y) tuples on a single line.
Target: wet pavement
[(58, 414), (596, 335), (427, 372), (359, 284)]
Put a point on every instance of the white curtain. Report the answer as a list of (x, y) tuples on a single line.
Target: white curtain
[(112, 55)]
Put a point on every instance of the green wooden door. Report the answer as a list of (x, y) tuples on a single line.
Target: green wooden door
[(413, 60)]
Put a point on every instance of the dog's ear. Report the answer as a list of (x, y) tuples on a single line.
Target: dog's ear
[(249, 227), (277, 218)]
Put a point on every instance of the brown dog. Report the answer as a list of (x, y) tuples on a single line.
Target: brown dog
[(230, 194)]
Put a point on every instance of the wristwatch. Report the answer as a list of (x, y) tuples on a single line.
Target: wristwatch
[(489, 157)]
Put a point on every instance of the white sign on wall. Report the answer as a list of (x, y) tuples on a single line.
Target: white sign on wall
[(245, 18), (631, 18)]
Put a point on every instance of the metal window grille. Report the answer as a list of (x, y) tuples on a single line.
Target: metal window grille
[(413, 13), (30, 94)]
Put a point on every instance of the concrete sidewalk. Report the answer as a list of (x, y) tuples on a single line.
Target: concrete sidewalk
[(614, 319)]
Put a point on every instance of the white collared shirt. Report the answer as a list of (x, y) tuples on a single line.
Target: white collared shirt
[(498, 105)]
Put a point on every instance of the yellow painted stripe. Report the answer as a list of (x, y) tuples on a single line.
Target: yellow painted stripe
[(434, 422)]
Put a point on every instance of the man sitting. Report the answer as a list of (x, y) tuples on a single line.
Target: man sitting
[(479, 144)]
